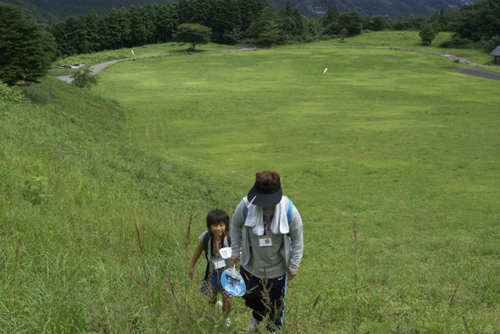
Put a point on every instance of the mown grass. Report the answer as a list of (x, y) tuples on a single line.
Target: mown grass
[(403, 40), (394, 140)]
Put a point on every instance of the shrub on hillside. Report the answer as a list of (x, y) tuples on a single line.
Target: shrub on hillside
[(36, 94), (457, 43), (12, 94), (491, 44), (427, 34), (84, 78), (232, 36), (36, 189)]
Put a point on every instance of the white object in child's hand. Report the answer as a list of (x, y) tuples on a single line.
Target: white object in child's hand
[(225, 252), (219, 303)]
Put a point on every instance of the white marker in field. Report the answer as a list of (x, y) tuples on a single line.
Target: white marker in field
[(326, 69), (133, 54)]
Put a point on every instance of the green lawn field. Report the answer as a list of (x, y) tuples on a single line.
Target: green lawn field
[(394, 141), (407, 40)]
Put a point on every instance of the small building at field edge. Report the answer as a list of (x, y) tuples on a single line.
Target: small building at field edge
[(496, 54)]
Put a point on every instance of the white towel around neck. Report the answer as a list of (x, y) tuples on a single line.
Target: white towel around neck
[(279, 223)]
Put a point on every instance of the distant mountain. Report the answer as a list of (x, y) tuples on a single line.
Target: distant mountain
[(62, 9), (393, 8), (50, 10)]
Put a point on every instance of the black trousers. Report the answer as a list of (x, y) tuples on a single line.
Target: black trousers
[(265, 297)]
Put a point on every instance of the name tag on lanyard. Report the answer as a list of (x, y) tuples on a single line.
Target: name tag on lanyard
[(265, 242), (218, 264)]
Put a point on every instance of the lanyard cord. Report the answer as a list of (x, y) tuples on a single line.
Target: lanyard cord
[(215, 249), (267, 223)]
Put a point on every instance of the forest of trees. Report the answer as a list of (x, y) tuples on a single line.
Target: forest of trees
[(260, 22), (257, 22)]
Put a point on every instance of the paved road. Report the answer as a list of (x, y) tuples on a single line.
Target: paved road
[(479, 73), (95, 69), (469, 71)]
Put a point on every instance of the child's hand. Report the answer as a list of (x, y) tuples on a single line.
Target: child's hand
[(234, 259), (191, 272)]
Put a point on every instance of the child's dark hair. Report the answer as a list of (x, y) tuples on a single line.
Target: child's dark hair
[(217, 216)]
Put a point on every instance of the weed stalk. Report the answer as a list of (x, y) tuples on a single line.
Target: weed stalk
[(14, 272), (144, 288), (186, 243), (356, 312), (141, 245)]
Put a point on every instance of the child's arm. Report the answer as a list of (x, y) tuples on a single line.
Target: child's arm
[(196, 256)]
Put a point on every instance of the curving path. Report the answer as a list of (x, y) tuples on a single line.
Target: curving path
[(469, 71), (95, 69)]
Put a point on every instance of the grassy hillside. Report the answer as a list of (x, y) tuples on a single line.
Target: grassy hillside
[(405, 40), (71, 192)]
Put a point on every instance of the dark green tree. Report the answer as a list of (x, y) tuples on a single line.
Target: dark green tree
[(300, 22), (410, 22), (331, 16), (288, 9), (192, 33), (223, 16), (167, 20), (250, 11), (427, 34), (329, 22), (272, 34), (478, 22), (377, 23), (105, 35), (26, 49), (352, 21), (149, 17), (124, 23), (268, 13), (93, 36), (112, 21), (288, 23), (183, 9), (138, 30)]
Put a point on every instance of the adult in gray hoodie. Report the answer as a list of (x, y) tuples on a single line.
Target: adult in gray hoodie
[(267, 227)]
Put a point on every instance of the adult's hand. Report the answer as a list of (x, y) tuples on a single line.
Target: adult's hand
[(291, 274), (234, 259)]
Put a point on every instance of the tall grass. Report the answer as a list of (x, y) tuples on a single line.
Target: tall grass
[(70, 261)]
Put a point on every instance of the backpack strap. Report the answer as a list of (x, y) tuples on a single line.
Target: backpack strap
[(206, 239), (288, 213)]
